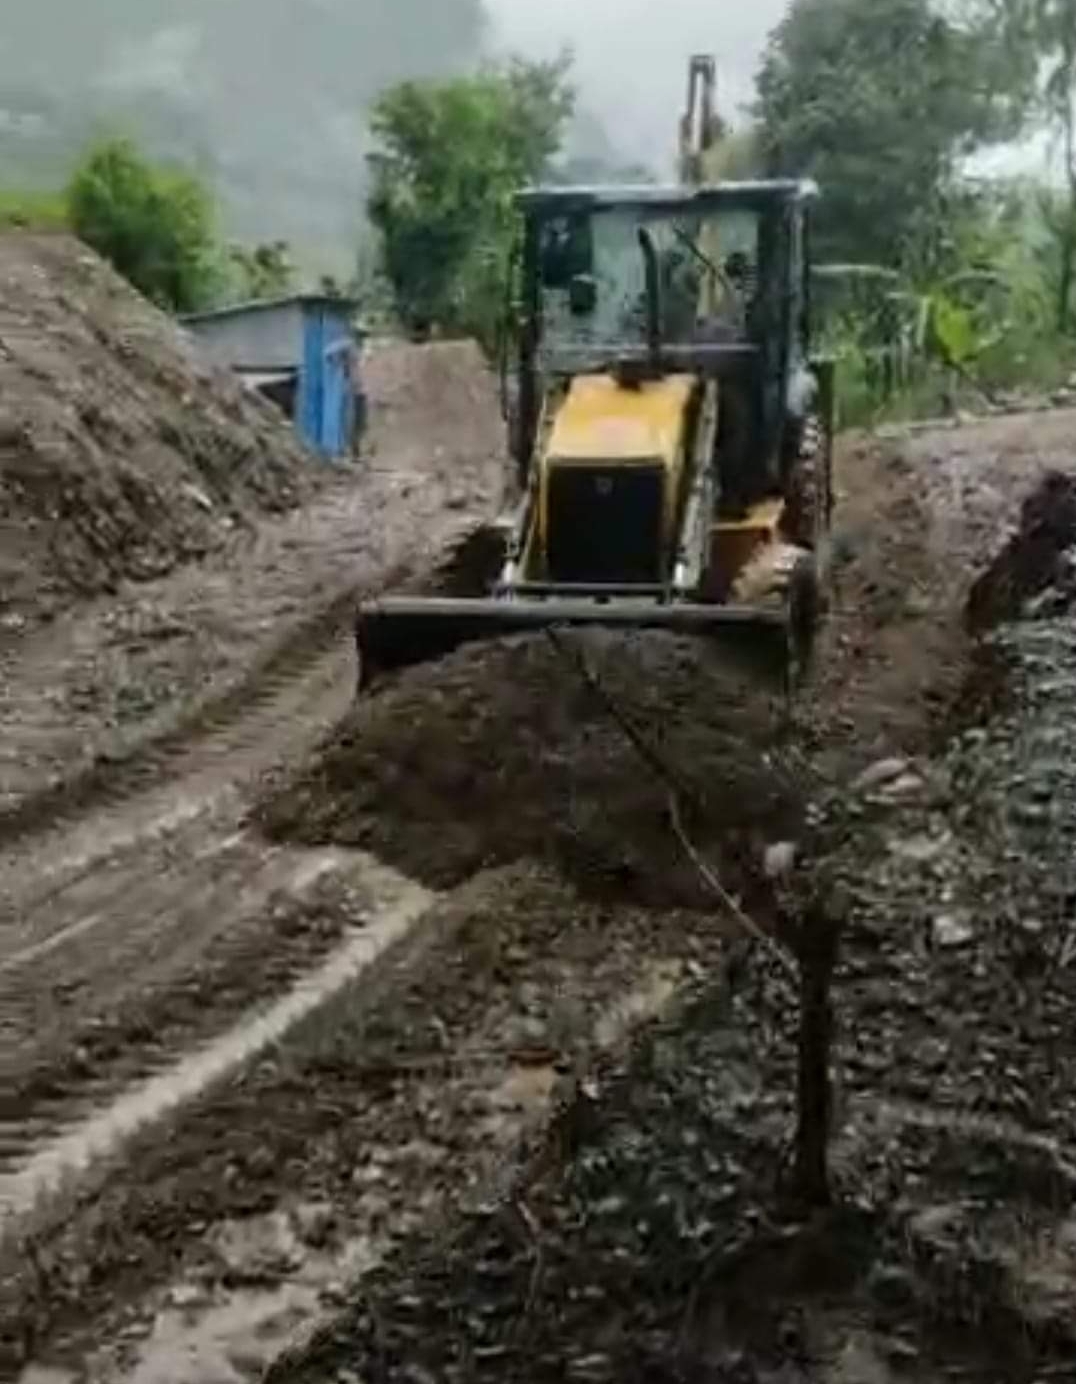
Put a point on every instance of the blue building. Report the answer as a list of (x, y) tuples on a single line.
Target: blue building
[(302, 352)]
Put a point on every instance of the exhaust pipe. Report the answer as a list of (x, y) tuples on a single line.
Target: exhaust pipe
[(653, 300)]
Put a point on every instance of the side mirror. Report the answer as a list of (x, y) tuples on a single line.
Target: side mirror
[(582, 295)]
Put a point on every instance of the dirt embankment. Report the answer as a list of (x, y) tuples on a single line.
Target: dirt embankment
[(431, 409), (121, 455)]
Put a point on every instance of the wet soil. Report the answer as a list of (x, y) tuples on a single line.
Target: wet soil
[(121, 455), (137, 920), (398, 1102), (505, 751), (153, 662), (76, 1032), (642, 1232), (142, 925), (657, 1249), (659, 1244), (919, 518)]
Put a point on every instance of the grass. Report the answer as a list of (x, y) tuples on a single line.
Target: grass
[(33, 211)]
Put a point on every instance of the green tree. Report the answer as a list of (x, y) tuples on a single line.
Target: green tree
[(1053, 25), (878, 100), (449, 156), (264, 271), (154, 225)]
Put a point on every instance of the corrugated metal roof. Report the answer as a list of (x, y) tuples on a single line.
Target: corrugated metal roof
[(252, 305)]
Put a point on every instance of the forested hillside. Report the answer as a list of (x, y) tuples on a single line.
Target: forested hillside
[(266, 97)]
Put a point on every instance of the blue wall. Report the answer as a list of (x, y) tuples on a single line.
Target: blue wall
[(325, 410)]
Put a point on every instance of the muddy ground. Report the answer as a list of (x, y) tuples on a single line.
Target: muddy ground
[(157, 659), (541, 1135), (138, 918)]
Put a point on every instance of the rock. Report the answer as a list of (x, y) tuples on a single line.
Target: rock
[(905, 786), (952, 930), (186, 1295), (779, 859), (200, 498), (883, 771), (315, 1223), (919, 849), (938, 1225), (901, 1352)]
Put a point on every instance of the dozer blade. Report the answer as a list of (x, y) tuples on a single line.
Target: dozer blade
[(398, 632)]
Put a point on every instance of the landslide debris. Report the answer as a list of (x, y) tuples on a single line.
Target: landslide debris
[(1037, 564), (504, 750), (655, 1249), (121, 454), (434, 409)]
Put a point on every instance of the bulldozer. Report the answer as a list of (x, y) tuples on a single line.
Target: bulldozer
[(671, 428)]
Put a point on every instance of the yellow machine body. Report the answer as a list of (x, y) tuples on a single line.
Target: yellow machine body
[(599, 420)]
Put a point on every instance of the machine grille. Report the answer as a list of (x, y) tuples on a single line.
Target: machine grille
[(605, 524)]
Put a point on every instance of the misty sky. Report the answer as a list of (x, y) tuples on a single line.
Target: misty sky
[(631, 55)]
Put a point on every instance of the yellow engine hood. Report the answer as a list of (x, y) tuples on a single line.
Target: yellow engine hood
[(601, 420)]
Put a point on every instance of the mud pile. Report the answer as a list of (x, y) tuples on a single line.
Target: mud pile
[(121, 455), (504, 751), (1035, 572), (434, 409)]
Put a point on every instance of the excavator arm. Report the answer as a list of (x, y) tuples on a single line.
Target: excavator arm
[(701, 128)]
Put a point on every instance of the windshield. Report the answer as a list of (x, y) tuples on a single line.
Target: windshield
[(593, 278)]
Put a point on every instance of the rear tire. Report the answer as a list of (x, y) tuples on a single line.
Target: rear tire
[(807, 499)]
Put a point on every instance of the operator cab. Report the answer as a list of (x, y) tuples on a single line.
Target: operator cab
[(643, 282)]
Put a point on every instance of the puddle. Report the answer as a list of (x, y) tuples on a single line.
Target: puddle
[(59, 1163)]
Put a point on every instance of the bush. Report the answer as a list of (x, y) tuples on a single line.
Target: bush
[(153, 224)]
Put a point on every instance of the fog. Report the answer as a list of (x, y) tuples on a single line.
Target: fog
[(631, 54), (267, 98)]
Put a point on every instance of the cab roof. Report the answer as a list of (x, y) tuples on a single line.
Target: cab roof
[(755, 195)]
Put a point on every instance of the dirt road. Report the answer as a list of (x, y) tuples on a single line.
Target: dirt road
[(133, 905), (238, 1075)]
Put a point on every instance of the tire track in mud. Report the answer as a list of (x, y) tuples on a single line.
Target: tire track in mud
[(395, 905), (411, 1098), (73, 1023), (291, 660), (180, 784)]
